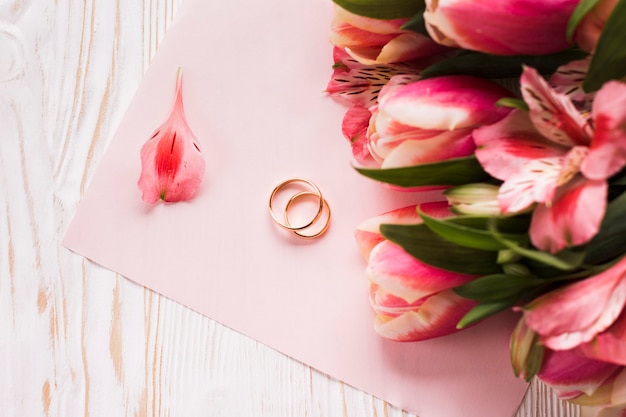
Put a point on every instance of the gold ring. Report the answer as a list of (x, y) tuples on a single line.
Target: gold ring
[(325, 206), (307, 188)]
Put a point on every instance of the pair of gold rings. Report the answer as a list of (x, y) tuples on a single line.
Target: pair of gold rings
[(295, 196)]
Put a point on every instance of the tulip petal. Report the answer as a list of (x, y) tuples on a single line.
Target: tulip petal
[(503, 148), (399, 273), (607, 155), (573, 218), (571, 375), (575, 314), (446, 103), (553, 114), (513, 27), (448, 145), (435, 316)]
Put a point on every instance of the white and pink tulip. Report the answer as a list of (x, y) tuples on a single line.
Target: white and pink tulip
[(412, 300), (505, 27)]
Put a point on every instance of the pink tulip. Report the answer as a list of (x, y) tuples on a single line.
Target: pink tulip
[(376, 41), (590, 28), (172, 164), (581, 312), (431, 120), (553, 156), (506, 27), (412, 300)]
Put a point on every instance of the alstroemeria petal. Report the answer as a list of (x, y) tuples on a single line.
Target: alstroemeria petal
[(553, 114), (570, 374), (503, 148), (432, 317), (446, 103), (535, 182), (404, 276), (610, 345), (568, 80), (576, 313), (608, 148), (449, 144), (573, 218), (172, 164)]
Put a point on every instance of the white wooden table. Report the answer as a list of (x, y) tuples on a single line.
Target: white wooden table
[(79, 340)]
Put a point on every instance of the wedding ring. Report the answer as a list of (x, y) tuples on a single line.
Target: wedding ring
[(325, 209), (303, 188)]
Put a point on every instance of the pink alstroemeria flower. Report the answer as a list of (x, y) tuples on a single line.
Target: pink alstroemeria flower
[(376, 41), (578, 314), (412, 300), (504, 27), (431, 120), (172, 164), (553, 156)]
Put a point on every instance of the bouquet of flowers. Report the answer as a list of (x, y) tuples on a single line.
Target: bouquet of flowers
[(516, 110)]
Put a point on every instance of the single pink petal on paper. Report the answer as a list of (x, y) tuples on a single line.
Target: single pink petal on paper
[(172, 164), (574, 217), (608, 147), (575, 314), (434, 316)]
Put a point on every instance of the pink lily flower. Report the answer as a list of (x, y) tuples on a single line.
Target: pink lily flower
[(172, 164), (506, 27), (375, 41), (431, 120), (577, 315), (412, 300), (553, 156)]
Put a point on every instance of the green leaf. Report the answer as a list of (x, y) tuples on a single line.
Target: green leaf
[(565, 260), (578, 14), (609, 58), (427, 246), (417, 24), (456, 171), (495, 66), (482, 311), (382, 9), (610, 241), (515, 103), (498, 287), (455, 231)]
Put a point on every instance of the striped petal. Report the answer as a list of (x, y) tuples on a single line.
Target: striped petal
[(572, 219), (575, 314), (399, 273), (503, 148), (607, 155), (553, 114), (427, 318)]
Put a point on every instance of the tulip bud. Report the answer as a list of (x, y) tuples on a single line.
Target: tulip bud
[(172, 164), (478, 199), (590, 28), (505, 27)]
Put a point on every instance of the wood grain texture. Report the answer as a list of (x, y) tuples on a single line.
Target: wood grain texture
[(77, 339)]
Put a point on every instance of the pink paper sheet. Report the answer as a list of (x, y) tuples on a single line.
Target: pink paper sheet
[(254, 75)]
